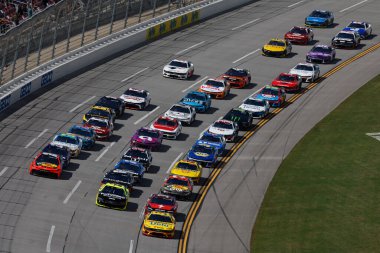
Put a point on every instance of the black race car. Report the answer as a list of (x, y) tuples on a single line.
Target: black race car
[(242, 117), (119, 177), (140, 155), (113, 103), (346, 39), (63, 152)]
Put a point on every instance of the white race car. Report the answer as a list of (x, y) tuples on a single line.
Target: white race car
[(308, 71), (178, 69), (226, 128), (135, 98), (259, 108), (184, 113), (70, 141)]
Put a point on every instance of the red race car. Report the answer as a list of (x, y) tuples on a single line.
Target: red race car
[(290, 82), (161, 202), (46, 163), (178, 186), (237, 78), (103, 127), (169, 127), (300, 35)]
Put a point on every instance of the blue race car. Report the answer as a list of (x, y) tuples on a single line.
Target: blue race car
[(136, 169), (87, 135), (320, 18), (364, 29), (199, 100), (206, 155), (63, 152), (274, 95), (214, 140)]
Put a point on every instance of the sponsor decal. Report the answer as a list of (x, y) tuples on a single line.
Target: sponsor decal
[(201, 154), (25, 90), (47, 78), (5, 102)]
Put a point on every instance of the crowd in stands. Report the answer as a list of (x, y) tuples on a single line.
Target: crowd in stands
[(14, 12)]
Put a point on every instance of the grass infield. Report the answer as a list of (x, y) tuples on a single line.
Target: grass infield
[(325, 197)]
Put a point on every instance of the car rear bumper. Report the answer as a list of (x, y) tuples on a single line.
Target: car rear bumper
[(157, 233)]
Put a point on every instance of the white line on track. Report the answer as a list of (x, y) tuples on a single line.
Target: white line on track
[(48, 244), (3, 171), (131, 247), (352, 6), (240, 26), (104, 152), (34, 139), (296, 3), (176, 160), (245, 56), (72, 192), (142, 213), (135, 74), (146, 115), (186, 49), (81, 104), (191, 86)]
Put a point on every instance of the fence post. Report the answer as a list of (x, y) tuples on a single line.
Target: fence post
[(141, 8), (126, 13), (169, 1), (97, 19), (84, 23), (73, 3), (113, 15), (55, 33), (28, 46), (3, 63), (15, 55), (40, 44), (154, 7)]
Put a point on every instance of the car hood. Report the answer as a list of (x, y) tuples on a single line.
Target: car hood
[(176, 187), (159, 225), (177, 115), (359, 30), (301, 72), (318, 54), (132, 99), (212, 144), (186, 173), (222, 131), (274, 48), (210, 88), (144, 139), (175, 69), (253, 108), (163, 128), (64, 144), (316, 19)]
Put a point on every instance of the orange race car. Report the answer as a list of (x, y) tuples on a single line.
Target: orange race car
[(46, 163), (216, 88), (237, 78)]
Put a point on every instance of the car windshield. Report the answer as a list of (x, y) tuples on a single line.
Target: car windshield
[(178, 64), (298, 30), (128, 166), (187, 166), (215, 83), (162, 201), (166, 122), (236, 72), (356, 26), (135, 93), (66, 139), (221, 124), (286, 78), (97, 112), (255, 102), (211, 138), (55, 150), (115, 176), (236, 115), (269, 91), (113, 190), (148, 133), (162, 218), (177, 181), (194, 96), (97, 123), (47, 159), (319, 14), (81, 132), (345, 35), (276, 43), (176, 108), (136, 153), (325, 50), (304, 67)]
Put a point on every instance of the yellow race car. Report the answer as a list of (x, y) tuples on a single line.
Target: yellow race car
[(100, 112), (277, 48), (160, 224), (113, 196), (190, 169)]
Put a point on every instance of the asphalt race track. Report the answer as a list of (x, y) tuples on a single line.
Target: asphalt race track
[(48, 215)]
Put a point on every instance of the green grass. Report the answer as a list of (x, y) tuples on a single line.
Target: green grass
[(325, 197)]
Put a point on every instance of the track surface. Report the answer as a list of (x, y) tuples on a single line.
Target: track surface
[(41, 214)]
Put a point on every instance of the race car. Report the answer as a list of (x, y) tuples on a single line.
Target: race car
[(184, 113), (237, 78), (364, 29), (63, 153), (162, 203), (136, 169), (136, 98), (178, 69), (241, 117), (45, 163), (120, 177), (159, 224), (274, 95), (320, 18), (321, 53), (290, 82), (199, 100), (309, 72), (345, 39), (116, 104), (140, 155), (204, 154), (148, 138), (100, 112), (259, 108), (178, 186), (228, 129), (72, 142), (103, 128), (300, 35), (186, 168), (277, 48), (214, 140), (169, 127), (86, 134), (215, 88), (113, 196)]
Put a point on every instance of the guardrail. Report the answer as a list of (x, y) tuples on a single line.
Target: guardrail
[(56, 69)]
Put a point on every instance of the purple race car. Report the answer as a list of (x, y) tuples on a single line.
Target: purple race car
[(147, 138), (321, 53)]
